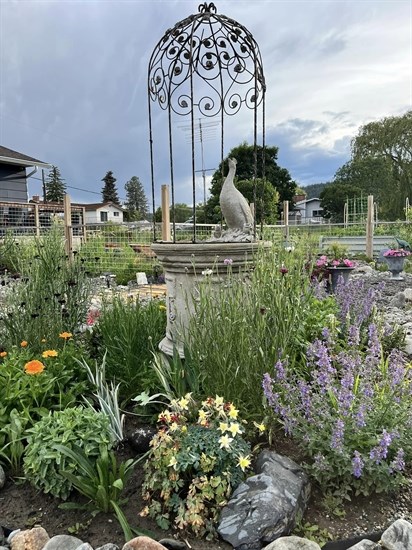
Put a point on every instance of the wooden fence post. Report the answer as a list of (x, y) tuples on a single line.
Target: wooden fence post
[(68, 232), (37, 219), (286, 219), (166, 235), (370, 227)]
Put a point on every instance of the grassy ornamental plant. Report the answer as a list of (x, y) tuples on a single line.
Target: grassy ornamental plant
[(241, 327), (197, 458), (127, 331), (50, 292)]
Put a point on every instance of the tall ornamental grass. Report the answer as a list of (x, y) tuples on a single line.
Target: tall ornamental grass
[(50, 297), (246, 323), (126, 333)]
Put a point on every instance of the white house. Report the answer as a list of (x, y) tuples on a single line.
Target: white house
[(103, 212), (307, 211)]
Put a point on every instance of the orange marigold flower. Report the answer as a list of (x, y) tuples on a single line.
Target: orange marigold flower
[(34, 367), (49, 353), (3, 353), (65, 335), (24, 344)]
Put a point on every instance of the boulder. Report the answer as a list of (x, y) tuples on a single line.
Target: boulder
[(30, 539), (266, 505), (143, 543), (292, 543), (398, 536), (63, 542)]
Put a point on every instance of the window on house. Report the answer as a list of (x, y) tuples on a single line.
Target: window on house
[(103, 216), (317, 213), (116, 214)]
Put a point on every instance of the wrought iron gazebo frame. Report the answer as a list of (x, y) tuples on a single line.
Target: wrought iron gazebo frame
[(222, 56)]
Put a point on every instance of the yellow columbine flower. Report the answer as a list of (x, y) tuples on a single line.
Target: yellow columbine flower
[(235, 429), (202, 416), (233, 412), (173, 426), (244, 462), (219, 401), (261, 427), (49, 353), (184, 402), (184, 429), (225, 441), (223, 427), (173, 462)]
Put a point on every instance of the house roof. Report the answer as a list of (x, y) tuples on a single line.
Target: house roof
[(8, 156), (97, 205), (306, 201)]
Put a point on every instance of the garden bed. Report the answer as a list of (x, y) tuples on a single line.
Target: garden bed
[(22, 506)]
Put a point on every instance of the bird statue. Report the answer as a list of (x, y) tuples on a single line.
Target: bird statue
[(403, 244), (234, 206)]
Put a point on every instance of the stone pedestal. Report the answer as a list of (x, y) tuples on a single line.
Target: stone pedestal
[(187, 266)]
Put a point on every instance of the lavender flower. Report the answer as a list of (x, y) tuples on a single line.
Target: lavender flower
[(398, 463), (357, 464), (320, 462), (337, 436), (380, 452)]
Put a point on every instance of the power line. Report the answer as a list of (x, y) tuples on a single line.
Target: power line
[(79, 189)]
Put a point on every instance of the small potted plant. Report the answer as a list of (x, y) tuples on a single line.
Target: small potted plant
[(333, 265), (395, 259)]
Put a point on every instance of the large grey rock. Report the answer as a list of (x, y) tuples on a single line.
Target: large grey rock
[(292, 543), (109, 546), (398, 300), (63, 542), (265, 506), (364, 545), (85, 546), (398, 536)]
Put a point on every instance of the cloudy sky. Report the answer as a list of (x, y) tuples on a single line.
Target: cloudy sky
[(73, 84)]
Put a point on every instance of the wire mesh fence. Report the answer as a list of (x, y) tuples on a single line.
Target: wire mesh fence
[(123, 250)]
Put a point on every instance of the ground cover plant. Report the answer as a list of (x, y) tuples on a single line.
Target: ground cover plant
[(65, 388)]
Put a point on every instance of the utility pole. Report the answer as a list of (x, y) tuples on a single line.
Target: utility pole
[(44, 185)]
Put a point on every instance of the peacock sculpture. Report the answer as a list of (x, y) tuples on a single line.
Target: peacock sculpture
[(235, 210)]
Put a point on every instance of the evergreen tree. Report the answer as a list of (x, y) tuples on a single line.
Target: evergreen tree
[(136, 200), (109, 191), (55, 186)]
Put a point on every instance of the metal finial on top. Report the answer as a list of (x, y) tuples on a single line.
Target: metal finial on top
[(207, 8)]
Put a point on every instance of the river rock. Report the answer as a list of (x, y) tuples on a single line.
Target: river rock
[(63, 542), (140, 438), (30, 539), (365, 545), (398, 536), (143, 543), (172, 544), (85, 546), (292, 543), (108, 546), (265, 506)]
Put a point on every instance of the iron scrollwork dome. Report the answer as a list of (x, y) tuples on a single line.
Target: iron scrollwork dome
[(209, 62)]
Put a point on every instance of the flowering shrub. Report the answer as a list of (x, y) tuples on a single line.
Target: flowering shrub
[(396, 253), (352, 415), (198, 456)]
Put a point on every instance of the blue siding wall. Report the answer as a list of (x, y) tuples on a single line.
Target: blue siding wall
[(13, 184)]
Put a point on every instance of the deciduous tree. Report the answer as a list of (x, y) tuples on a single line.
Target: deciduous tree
[(279, 178), (390, 139)]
